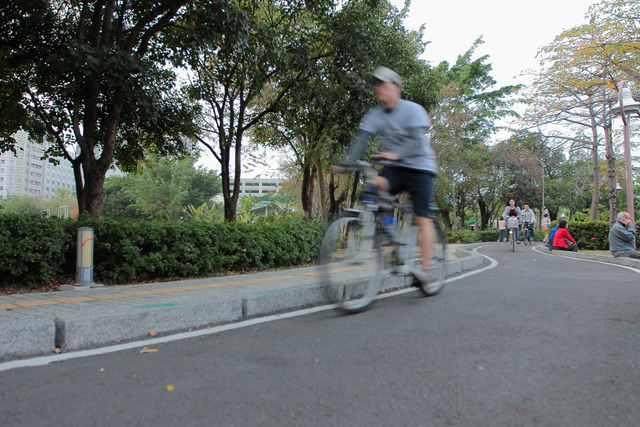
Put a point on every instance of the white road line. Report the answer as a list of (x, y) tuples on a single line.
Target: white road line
[(635, 270)]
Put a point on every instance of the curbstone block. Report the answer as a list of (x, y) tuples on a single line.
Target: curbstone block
[(32, 336), (90, 328), (282, 300)]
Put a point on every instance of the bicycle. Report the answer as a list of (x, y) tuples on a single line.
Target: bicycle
[(359, 251), (512, 225), (527, 233)]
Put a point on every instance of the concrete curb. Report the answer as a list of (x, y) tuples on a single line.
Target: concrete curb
[(28, 336), (69, 330), (89, 328)]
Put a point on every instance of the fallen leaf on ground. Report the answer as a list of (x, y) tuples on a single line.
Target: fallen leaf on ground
[(148, 350), (170, 388), (117, 341), (153, 333), (57, 350)]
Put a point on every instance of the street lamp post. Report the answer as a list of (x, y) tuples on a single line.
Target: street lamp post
[(542, 209), (627, 105)]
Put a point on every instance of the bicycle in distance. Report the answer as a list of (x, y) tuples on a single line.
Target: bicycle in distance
[(368, 244), (527, 233), (512, 226)]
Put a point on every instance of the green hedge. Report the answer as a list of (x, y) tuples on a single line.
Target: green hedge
[(469, 236), (592, 235), (589, 235), (34, 251)]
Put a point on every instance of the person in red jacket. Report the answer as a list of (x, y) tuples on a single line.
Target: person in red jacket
[(563, 241)]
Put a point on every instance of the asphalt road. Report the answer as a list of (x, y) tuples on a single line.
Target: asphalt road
[(538, 340)]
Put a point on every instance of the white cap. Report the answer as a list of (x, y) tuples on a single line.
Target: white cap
[(385, 74)]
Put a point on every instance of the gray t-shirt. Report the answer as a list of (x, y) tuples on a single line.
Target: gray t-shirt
[(391, 127)]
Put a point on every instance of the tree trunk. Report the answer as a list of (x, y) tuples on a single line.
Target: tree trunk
[(596, 173), (446, 219), (230, 195), (484, 214), (308, 176), (92, 191), (454, 204), (321, 190), (611, 168)]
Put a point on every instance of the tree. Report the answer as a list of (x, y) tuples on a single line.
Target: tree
[(464, 120), (319, 117), (163, 190), (617, 44), (264, 50), (18, 205), (577, 85), (90, 77)]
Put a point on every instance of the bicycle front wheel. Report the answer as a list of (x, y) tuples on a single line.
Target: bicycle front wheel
[(351, 263), (513, 241), (438, 268)]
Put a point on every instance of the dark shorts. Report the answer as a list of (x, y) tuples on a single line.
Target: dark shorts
[(419, 185)]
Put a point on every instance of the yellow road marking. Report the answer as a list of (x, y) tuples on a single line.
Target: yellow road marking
[(35, 303)]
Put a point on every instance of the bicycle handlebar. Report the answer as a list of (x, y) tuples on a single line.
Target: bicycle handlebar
[(360, 165)]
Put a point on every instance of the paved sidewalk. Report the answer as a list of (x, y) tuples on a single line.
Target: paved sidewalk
[(82, 317)]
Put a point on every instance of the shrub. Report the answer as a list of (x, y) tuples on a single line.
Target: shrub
[(591, 235), (32, 249), (469, 236)]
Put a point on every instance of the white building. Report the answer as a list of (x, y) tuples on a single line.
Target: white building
[(27, 176), (258, 186)]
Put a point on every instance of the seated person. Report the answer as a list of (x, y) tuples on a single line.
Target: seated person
[(563, 241), (622, 237), (552, 234)]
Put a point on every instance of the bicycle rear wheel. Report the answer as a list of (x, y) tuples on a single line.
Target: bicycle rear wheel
[(351, 263), (438, 263)]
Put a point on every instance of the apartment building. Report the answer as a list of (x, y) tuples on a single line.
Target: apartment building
[(27, 176)]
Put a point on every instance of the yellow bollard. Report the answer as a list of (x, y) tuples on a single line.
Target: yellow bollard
[(84, 260)]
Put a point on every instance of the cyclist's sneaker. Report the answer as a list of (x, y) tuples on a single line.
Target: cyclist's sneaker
[(426, 280), (421, 276)]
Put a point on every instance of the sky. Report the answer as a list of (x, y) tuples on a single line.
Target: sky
[(513, 31)]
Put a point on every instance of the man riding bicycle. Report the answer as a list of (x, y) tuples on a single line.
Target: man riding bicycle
[(528, 219), (399, 126)]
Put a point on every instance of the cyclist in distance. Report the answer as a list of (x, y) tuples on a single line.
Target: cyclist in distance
[(399, 126), (529, 219), (512, 211)]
